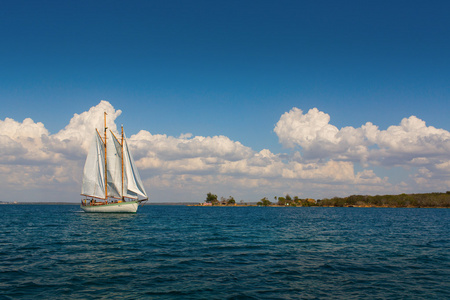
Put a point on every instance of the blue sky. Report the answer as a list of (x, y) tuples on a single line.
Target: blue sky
[(230, 68)]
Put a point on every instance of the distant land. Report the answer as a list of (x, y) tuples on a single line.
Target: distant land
[(78, 203), (430, 200), (425, 200)]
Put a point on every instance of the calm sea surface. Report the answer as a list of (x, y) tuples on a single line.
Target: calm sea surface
[(179, 252)]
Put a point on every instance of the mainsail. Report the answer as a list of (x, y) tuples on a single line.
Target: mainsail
[(94, 170)]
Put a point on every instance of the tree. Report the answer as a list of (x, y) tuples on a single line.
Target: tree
[(288, 200), (264, 202), (211, 198), (231, 201)]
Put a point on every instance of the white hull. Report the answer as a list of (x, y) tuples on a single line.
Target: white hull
[(123, 207)]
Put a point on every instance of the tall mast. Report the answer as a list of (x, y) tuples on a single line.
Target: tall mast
[(122, 163), (106, 164)]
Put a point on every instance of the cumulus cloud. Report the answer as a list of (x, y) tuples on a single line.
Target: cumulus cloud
[(189, 166), (410, 144), (170, 148), (412, 141), (24, 143), (31, 158), (221, 156), (73, 141), (296, 128), (317, 138)]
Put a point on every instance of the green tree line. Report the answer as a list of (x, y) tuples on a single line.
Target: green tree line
[(402, 200), (212, 198)]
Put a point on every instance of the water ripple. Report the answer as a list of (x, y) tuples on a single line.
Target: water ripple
[(177, 252)]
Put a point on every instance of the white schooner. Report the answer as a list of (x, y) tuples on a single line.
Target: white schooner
[(111, 182)]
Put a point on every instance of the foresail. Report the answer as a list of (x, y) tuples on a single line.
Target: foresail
[(94, 170), (132, 182), (114, 162)]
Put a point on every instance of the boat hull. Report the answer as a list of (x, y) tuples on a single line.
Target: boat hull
[(123, 207)]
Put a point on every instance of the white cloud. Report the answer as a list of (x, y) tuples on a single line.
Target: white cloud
[(296, 128), (187, 167), (24, 143), (73, 141), (32, 158), (171, 148), (319, 139), (412, 140), (410, 144), (10, 148)]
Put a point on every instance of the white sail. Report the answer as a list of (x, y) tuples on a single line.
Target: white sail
[(132, 181), (114, 162), (94, 170)]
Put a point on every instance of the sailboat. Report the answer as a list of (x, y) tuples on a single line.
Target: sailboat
[(111, 181)]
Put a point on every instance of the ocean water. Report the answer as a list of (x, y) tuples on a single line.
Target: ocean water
[(180, 252)]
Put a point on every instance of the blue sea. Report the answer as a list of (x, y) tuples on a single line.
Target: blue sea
[(181, 252)]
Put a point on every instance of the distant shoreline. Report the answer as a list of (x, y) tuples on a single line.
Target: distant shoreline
[(319, 206), (199, 205), (425, 200), (77, 203)]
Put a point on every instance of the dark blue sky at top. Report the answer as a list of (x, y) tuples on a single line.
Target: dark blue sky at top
[(226, 67)]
